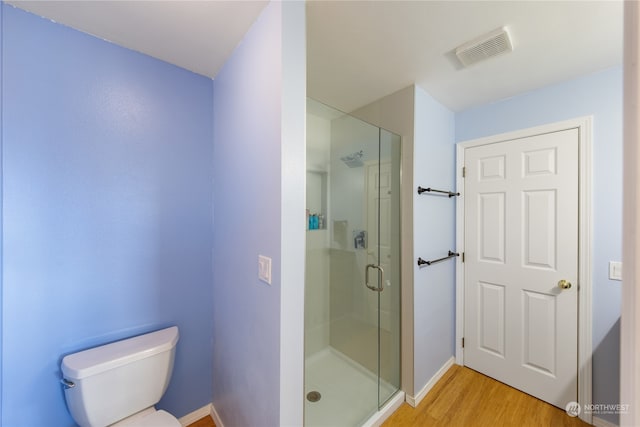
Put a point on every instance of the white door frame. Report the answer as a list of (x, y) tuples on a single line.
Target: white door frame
[(584, 126), (630, 320)]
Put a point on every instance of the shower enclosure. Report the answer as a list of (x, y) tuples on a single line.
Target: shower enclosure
[(352, 283)]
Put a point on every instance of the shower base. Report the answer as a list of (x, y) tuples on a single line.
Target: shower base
[(349, 391)]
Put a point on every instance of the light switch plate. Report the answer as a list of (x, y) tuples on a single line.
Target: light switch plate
[(264, 268), (615, 270)]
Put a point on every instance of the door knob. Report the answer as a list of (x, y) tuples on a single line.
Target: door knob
[(564, 284)]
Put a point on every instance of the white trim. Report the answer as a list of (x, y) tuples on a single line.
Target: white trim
[(585, 347), (385, 412), (585, 227), (216, 417), (194, 416), (599, 422), (630, 314), (460, 249), (292, 205), (414, 401)]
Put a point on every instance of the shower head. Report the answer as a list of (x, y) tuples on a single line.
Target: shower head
[(353, 160)]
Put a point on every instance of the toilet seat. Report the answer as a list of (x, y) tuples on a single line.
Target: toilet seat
[(156, 419)]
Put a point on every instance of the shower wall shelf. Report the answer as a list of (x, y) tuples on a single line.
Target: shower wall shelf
[(316, 200), (422, 190), (451, 254)]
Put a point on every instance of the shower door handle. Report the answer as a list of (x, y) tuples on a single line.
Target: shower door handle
[(380, 286)]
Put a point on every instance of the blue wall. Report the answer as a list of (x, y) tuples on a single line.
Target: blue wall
[(1, 97), (247, 222), (107, 231), (434, 235), (600, 95)]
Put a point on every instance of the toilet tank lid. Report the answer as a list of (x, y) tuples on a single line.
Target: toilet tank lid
[(109, 356)]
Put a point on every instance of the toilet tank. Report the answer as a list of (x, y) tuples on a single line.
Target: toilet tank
[(108, 383)]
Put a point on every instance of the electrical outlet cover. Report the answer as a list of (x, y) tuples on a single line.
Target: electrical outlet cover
[(615, 270), (264, 268)]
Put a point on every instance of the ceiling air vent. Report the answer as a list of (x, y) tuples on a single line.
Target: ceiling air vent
[(484, 47)]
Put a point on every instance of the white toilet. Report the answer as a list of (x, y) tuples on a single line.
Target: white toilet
[(119, 383)]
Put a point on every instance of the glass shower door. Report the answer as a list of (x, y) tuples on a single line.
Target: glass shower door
[(386, 241), (352, 285)]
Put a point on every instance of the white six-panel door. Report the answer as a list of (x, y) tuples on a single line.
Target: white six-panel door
[(521, 241)]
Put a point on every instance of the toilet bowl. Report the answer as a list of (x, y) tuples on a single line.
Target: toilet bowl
[(119, 384)]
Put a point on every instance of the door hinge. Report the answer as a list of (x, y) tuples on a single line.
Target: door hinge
[(464, 171), (462, 256), (462, 342)]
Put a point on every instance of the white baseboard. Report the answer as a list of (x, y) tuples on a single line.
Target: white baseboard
[(194, 416), (599, 422), (216, 417), (415, 400)]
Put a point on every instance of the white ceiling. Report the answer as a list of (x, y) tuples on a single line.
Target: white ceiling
[(360, 51), (196, 35)]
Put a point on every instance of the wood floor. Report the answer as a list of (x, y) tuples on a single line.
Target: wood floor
[(204, 422), (465, 398)]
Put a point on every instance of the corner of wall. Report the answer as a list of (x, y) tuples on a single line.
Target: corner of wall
[(434, 289), (396, 112), (1, 196), (262, 114), (293, 176)]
